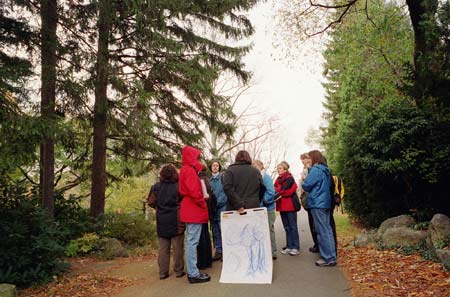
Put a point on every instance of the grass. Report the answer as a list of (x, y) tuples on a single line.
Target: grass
[(344, 226)]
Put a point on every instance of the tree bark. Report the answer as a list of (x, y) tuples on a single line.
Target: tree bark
[(98, 179), (48, 85)]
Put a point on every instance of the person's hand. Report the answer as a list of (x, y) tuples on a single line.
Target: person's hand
[(206, 197), (241, 210)]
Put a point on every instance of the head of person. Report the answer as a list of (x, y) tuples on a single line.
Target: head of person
[(317, 158), (168, 174), (306, 161), (282, 167), (243, 157), (190, 156), (215, 167), (258, 165)]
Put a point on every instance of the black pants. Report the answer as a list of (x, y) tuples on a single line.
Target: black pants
[(204, 249)]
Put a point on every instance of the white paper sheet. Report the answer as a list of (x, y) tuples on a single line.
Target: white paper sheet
[(247, 255)]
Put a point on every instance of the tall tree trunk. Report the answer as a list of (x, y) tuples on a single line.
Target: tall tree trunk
[(48, 82), (100, 111)]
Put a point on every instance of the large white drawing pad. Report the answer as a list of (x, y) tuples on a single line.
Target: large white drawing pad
[(247, 254)]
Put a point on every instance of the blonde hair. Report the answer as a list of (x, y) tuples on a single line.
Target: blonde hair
[(258, 163), (284, 165)]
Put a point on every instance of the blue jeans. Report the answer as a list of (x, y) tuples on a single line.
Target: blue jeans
[(193, 232), (321, 217), (289, 219), (217, 235)]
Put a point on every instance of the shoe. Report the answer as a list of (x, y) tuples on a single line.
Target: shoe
[(274, 257), (322, 263), (283, 248), (294, 252), (164, 277), (285, 251), (314, 249), (201, 278), (217, 256), (181, 274)]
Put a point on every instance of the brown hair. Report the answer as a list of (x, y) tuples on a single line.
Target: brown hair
[(243, 157), (168, 174), (304, 156), (285, 165), (215, 161), (317, 157)]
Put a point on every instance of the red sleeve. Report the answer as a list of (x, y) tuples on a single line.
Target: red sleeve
[(189, 185), (277, 186)]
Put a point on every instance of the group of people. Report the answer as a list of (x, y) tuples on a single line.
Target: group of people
[(187, 201)]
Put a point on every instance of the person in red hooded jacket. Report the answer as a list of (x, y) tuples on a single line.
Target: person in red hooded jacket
[(194, 210)]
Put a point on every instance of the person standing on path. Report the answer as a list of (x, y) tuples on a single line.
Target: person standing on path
[(285, 186), (317, 184), (194, 211), (242, 184), (218, 205), (268, 202), (165, 198), (306, 161), (204, 249)]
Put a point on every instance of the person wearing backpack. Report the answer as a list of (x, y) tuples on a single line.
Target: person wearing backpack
[(318, 184), (165, 198), (286, 187)]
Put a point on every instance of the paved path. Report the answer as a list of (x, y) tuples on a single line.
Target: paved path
[(292, 276)]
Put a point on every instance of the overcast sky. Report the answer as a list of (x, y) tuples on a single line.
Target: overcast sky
[(288, 88)]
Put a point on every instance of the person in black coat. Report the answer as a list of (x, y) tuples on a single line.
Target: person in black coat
[(243, 184), (165, 198), (204, 248)]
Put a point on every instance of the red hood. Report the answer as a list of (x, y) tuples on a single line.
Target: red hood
[(189, 156)]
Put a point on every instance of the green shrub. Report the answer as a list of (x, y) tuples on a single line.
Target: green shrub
[(83, 245), (132, 229), (30, 249)]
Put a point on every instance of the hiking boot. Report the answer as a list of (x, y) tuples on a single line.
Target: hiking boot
[(322, 263), (294, 252), (285, 251), (217, 256), (314, 249), (201, 278)]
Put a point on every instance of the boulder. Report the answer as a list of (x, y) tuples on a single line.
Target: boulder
[(443, 255), (439, 230), (364, 239), (7, 290), (403, 236), (395, 222), (111, 248)]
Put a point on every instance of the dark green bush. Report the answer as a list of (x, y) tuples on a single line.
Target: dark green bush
[(30, 246), (132, 229)]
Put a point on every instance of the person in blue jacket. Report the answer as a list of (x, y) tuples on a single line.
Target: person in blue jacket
[(218, 205), (317, 185), (268, 202)]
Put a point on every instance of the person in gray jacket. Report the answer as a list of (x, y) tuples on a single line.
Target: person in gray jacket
[(243, 184)]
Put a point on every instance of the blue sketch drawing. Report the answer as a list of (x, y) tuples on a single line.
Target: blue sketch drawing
[(251, 237)]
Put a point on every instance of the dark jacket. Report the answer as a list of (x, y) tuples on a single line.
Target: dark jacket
[(318, 184), (242, 184), (165, 198)]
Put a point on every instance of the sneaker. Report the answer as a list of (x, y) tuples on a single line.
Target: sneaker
[(201, 278), (285, 251), (294, 252), (217, 256), (283, 248), (322, 263), (314, 249)]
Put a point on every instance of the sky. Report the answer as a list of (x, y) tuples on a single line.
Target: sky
[(289, 89)]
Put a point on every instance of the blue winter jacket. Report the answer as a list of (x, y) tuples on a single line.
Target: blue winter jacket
[(217, 189), (269, 194), (317, 185)]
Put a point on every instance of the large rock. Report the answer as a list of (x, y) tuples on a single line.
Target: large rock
[(439, 230), (395, 222), (7, 290), (111, 248), (364, 239), (402, 236)]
